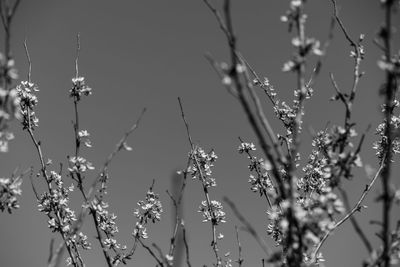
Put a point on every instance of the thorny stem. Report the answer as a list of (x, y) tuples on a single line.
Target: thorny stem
[(357, 207)]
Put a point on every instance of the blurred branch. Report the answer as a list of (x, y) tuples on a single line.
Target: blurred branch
[(248, 227)]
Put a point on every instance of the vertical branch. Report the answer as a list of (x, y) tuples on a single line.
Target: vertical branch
[(29, 60), (78, 49), (214, 220), (45, 175), (186, 244), (294, 253), (7, 12), (227, 28), (240, 259), (390, 88), (76, 124)]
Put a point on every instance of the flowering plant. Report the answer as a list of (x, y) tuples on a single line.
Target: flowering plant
[(304, 197)]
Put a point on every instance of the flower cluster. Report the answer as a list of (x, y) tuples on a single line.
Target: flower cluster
[(267, 87), (83, 135), (201, 166), (382, 143), (61, 219), (329, 160), (9, 109), (28, 101), (392, 66), (9, 106), (79, 165), (150, 210), (55, 205), (9, 189), (5, 137), (260, 182), (105, 222), (79, 88), (212, 212), (8, 72), (246, 147)]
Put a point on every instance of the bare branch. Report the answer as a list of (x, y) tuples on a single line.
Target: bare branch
[(240, 259), (29, 60), (356, 207), (248, 227)]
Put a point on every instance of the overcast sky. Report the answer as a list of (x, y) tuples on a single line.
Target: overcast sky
[(137, 54)]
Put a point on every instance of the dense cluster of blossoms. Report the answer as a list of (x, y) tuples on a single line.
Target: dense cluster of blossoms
[(212, 212), (61, 218), (9, 101), (79, 88), (106, 223), (316, 205), (328, 160), (28, 101), (200, 169), (382, 143), (10, 188), (79, 165), (8, 71), (150, 209), (260, 182), (201, 166)]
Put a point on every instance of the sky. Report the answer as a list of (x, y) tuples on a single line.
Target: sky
[(144, 54)]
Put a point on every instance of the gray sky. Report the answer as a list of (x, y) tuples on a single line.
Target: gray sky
[(137, 54)]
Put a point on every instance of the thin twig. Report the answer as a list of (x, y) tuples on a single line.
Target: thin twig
[(240, 259), (186, 244), (29, 60), (354, 222), (33, 185), (248, 227), (78, 49), (150, 252), (356, 207), (214, 242)]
